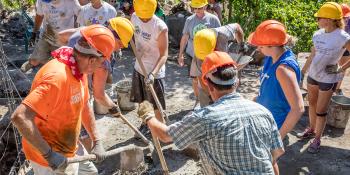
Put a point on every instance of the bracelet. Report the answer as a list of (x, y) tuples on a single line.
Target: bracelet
[(148, 117)]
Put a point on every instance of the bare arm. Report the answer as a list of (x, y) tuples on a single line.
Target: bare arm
[(89, 122), (183, 42), (239, 34), (23, 119), (347, 64), (98, 83), (288, 81), (309, 60), (163, 50), (64, 36), (159, 130), (37, 23), (218, 11)]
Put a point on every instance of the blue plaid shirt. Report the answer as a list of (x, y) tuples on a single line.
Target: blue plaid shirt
[(235, 135)]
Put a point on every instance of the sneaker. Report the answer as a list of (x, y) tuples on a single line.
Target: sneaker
[(314, 146), (307, 134)]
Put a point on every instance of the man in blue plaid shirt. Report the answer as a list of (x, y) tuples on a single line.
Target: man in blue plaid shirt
[(235, 135)]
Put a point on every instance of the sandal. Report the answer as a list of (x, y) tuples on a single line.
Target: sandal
[(307, 134), (314, 146)]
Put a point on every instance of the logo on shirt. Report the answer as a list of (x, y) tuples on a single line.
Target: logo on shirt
[(137, 29), (198, 28), (144, 35), (76, 97)]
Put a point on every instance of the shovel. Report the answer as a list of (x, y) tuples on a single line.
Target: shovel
[(126, 121), (242, 60), (155, 97), (131, 157)]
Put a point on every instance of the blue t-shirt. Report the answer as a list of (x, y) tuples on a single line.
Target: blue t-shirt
[(271, 94)]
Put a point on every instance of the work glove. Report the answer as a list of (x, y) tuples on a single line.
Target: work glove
[(56, 160), (145, 111), (33, 38), (334, 69), (115, 110), (150, 79), (99, 151)]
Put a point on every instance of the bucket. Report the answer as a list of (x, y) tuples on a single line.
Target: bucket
[(123, 89), (339, 112)]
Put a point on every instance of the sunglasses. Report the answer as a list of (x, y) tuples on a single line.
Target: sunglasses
[(201, 8)]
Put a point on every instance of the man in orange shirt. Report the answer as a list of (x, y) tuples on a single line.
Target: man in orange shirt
[(50, 117)]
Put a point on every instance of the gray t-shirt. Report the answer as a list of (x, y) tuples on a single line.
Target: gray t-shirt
[(193, 24), (225, 34)]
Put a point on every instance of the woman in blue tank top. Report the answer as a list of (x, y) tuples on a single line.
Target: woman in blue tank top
[(279, 91), (280, 77)]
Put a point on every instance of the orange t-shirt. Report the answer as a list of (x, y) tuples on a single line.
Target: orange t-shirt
[(58, 98)]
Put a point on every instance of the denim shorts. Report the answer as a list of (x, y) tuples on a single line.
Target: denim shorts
[(322, 86)]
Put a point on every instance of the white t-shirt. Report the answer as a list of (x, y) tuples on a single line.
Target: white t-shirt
[(329, 49), (58, 13), (89, 15), (146, 41)]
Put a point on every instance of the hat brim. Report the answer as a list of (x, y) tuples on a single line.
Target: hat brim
[(346, 15)]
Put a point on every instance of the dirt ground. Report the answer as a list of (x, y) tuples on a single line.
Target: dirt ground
[(334, 157)]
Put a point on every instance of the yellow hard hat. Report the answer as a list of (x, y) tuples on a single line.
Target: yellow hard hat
[(145, 8), (204, 43), (199, 3), (330, 10), (124, 29)]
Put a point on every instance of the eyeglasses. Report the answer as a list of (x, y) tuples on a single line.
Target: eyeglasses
[(201, 8)]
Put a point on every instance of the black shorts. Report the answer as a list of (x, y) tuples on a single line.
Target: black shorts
[(140, 92), (346, 53), (322, 86)]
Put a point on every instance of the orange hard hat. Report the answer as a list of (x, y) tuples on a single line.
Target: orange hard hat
[(213, 61), (345, 9), (269, 33), (100, 38)]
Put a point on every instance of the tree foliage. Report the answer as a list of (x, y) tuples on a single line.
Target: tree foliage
[(297, 15), (16, 4)]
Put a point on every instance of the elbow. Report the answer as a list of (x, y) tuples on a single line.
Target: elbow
[(299, 111), (16, 117)]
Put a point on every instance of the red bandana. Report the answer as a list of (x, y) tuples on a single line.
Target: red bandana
[(65, 55)]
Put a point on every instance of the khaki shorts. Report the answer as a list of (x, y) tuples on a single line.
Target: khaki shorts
[(204, 98), (42, 51), (81, 168), (195, 69)]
